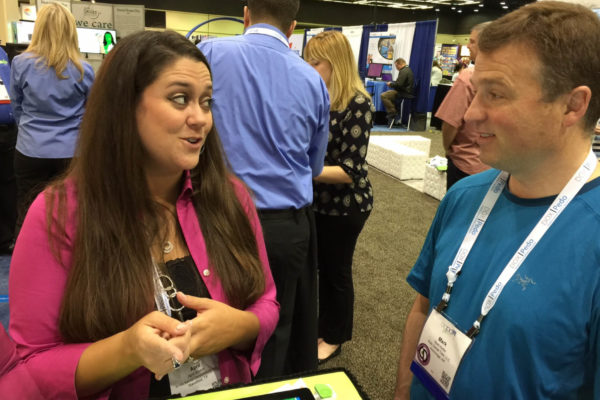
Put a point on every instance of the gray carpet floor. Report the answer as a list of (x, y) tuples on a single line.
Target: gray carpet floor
[(386, 250)]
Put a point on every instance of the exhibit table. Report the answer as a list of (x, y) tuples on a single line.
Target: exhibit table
[(340, 380)]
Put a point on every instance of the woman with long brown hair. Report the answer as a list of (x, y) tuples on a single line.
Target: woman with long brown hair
[(148, 210)]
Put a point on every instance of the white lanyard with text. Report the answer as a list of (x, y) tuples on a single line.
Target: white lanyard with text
[(561, 201), (268, 32)]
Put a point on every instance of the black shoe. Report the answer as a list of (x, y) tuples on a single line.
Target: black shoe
[(336, 353)]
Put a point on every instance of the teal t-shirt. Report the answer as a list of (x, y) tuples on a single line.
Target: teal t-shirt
[(540, 341)]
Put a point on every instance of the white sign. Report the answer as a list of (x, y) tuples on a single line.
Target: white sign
[(66, 3), (381, 48), (296, 41), (28, 12), (93, 15), (128, 19)]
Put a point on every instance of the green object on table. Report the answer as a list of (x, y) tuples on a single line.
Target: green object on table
[(323, 390)]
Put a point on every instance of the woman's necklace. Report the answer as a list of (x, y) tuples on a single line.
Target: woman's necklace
[(168, 247)]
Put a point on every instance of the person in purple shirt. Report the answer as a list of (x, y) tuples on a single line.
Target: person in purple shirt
[(49, 86), (272, 110), (147, 212)]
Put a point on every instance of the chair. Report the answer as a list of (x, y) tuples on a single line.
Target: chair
[(399, 102)]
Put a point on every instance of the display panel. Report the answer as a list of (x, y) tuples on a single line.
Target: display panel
[(23, 31), (374, 70), (99, 41)]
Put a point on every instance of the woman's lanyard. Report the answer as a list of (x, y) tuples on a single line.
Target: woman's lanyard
[(561, 201), (268, 32)]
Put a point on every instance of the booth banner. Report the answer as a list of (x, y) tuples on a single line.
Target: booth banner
[(448, 58), (93, 15), (354, 35), (129, 19), (312, 33), (296, 41), (66, 3), (381, 48)]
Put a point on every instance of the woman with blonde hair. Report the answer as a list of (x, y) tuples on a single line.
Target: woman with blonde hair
[(49, 86), (343, 197)]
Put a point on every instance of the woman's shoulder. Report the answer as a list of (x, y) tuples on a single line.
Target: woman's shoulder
[(360, 101)]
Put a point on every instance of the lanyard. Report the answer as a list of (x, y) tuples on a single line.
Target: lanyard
[(556, 208), (268, 32)]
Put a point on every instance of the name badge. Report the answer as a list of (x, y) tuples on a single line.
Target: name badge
[(440, 350), (200, 374)]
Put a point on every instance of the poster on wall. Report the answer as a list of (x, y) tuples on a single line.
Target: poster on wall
[(448, 58), (296, 41), (66, 3), (93, 15), (28, 12), (381, 48), (128, 19)]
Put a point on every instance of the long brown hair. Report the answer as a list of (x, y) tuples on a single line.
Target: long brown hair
[(110, 282)]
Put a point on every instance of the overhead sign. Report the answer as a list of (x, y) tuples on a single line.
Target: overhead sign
[(93, 15), (128, 19), (66, 3)]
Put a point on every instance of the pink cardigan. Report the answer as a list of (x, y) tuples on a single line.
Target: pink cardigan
[(37, 282)]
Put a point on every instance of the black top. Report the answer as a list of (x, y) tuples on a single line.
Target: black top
[(187, 279), (349, 132), (404, 82)]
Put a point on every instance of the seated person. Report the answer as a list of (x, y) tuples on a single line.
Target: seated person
[(402, 86), (147, 211)]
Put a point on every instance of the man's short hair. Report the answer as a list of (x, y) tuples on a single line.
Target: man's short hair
[(479, 27), (400, 61), (280, 12), (564, 37)]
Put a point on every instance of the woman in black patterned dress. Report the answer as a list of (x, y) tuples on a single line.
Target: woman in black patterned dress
[(343, 197)]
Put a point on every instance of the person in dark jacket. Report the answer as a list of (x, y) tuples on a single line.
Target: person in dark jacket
[(402, 86)]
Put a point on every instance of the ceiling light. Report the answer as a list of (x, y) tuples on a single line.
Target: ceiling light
[(459, 11), (453, 8), (481, 5), (505, 7), (476, 10)]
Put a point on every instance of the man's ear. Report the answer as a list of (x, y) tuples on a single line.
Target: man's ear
[(291, 29), (246, 17), (577, 104)]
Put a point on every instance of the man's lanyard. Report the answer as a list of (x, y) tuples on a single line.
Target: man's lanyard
[(268, 32), (561, 201)]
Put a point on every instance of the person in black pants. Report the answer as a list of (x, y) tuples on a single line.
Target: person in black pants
[(343, 197), (8, 200)]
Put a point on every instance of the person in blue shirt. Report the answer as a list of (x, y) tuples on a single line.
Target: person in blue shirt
[(522, 288), (49, 86), (272, 110)]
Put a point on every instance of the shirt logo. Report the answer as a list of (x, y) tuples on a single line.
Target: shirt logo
[(523, 281)]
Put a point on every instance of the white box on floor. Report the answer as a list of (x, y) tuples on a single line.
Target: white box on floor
[(400, 161), (414, 141), (434, 183)]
